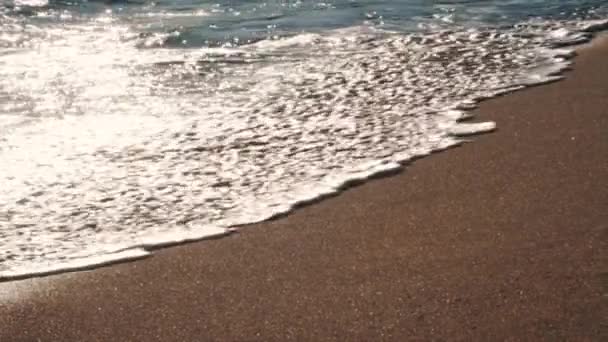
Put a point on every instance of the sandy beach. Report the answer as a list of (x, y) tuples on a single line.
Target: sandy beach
[(504, 238)]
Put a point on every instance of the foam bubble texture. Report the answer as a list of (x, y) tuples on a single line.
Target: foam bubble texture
[(287, 123)]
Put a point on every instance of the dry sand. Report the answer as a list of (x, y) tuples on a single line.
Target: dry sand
[(501, 239)]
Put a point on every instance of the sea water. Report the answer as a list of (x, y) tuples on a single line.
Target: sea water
[(127, 125)]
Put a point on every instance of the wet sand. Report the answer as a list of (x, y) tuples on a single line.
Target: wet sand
[(501, 239)]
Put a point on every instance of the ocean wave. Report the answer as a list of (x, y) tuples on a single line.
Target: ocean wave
[(167, 145)]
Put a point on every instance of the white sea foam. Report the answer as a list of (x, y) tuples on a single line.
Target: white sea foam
[(157, 146), (41, 269), (189, 14), (464, 129)]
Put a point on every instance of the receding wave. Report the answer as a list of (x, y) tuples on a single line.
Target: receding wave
[(106, 155)]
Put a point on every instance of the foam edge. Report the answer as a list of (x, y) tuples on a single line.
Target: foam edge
[(466, 129), (140, 251)]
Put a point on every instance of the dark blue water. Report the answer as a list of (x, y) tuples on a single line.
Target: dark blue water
[(212, 23)]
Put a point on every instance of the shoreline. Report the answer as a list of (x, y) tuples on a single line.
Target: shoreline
[(497, 239), (175, 216)]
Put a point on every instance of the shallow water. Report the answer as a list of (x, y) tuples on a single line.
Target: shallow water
[(130, 125)]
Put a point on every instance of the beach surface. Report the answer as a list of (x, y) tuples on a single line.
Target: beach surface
[(504, 238)]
